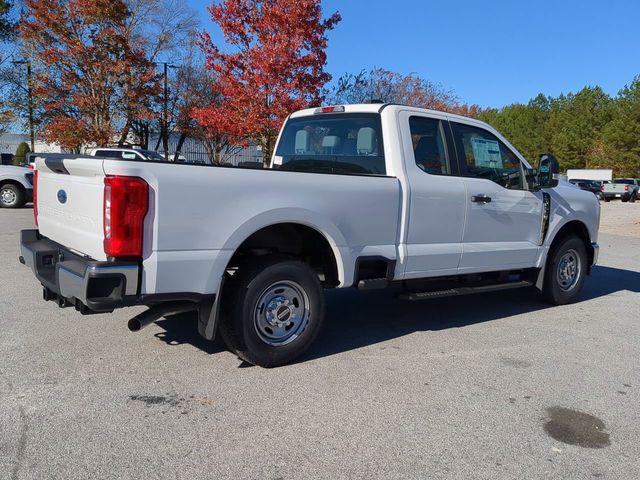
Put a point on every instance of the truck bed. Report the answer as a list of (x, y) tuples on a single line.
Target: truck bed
[(198, 215)]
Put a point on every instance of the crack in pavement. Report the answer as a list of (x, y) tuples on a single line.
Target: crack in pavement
[(22, 444)]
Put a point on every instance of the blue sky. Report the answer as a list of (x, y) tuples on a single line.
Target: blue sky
[(492, 52)]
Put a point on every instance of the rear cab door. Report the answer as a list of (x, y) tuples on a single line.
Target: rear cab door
[(503, 217), (435, 211)]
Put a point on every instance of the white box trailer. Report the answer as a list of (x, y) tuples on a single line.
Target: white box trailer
[(600, 174)]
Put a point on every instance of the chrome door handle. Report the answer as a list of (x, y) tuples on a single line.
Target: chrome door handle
[(481, 199)]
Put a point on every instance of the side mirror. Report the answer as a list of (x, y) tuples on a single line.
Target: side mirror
[(548, 171)]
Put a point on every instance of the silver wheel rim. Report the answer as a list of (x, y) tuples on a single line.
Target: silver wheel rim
[(569, 269), (8, 196), (281, 313)]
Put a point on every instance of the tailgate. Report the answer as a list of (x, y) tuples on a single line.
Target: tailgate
[(70, 202)]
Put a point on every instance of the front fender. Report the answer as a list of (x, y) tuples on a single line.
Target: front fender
[(569, 205)]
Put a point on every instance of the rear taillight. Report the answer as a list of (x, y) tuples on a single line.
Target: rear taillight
[(35, 196), (126, 200), (626, 188), (602, 187)]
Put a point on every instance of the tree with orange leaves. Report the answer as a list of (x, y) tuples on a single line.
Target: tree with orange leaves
[(98, 77), (277, 66)]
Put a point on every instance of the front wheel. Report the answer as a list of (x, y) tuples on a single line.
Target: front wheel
[(565, 272), (11, 196), (275, 311)]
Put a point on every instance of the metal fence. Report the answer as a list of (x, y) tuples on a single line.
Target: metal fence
[(194, 151)]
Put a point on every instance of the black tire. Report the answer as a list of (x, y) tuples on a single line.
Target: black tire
[(12, 196), (606, 199), (553, 291), (632, 198), (243, 328)]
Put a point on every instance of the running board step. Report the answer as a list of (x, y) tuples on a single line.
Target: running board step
[(452, 292), (373, 284)]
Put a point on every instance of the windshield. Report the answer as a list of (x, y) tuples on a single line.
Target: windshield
[(624, 181), (343, 143)]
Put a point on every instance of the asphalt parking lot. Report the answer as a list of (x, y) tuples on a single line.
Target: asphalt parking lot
[(492, 386)]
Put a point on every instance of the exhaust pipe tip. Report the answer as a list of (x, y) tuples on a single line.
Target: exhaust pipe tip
[(156, 312), (134, 325)]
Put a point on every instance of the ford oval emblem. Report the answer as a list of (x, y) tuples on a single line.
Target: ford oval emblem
[(62, 196)]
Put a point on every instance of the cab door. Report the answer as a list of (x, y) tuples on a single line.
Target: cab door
[(435, 216), (503, 218)]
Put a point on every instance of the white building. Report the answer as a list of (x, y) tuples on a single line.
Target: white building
[(9, 143)]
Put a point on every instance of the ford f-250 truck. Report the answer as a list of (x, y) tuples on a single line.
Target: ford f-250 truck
[(365, 196), (626, 189)]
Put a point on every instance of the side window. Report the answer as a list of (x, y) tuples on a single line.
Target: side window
[(485, 156), (429, 148)]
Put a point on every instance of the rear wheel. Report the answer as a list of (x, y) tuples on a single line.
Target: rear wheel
[(565, 272), (274, 312), (633, 197), (11, 196)]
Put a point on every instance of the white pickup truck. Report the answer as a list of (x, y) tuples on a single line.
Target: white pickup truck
[(364, 196)]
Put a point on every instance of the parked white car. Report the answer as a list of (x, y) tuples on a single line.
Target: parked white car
[(16, 186), (364, 196)]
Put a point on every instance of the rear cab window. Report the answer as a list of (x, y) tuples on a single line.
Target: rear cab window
[(345, 143), (429, 147)]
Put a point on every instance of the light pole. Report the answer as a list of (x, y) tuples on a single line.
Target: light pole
[(29, 100)]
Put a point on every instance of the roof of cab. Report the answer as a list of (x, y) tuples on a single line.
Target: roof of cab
[(355, 108), (379, 107)]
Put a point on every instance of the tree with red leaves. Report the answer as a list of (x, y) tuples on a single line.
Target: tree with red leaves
[(98, 76), (277, 66)]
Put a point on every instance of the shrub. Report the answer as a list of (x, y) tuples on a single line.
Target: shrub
[(21, 153)]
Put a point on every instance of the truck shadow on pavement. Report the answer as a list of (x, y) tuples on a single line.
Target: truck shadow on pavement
[(359, 319)]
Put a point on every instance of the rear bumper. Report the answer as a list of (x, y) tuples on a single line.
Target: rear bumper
[(73, 280), (619, 195)]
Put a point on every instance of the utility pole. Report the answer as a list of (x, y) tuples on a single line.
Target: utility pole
[(165, 109), (32, 131), (165, 113)]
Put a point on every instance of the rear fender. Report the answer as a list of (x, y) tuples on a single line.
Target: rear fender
[(300, 216)]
